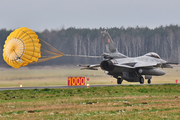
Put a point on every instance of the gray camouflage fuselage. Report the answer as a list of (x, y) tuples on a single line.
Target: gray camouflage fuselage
[(129, 69)]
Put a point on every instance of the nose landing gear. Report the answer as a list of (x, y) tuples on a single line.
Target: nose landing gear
[(149, 81), (119, 80)]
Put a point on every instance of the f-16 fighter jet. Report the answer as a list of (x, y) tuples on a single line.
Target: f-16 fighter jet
[(127, 68)]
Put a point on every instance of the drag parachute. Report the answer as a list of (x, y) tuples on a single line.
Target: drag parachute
[(23, 47)]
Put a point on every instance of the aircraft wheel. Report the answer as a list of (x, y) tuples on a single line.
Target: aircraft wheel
[(141, 80), (149, 81), (119, 80)]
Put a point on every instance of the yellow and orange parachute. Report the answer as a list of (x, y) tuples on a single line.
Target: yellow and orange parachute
[(23, 47)]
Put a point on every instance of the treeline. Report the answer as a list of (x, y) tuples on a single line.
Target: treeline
[(164, 40)]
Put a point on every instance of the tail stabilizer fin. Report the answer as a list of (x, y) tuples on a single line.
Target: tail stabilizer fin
[(110, 46)]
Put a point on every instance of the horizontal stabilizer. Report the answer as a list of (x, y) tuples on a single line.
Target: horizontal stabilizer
[(90, 67)]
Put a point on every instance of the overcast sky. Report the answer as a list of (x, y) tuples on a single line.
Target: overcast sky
[(55, 14)]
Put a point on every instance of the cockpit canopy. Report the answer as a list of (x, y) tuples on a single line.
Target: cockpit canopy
[(152, 54)]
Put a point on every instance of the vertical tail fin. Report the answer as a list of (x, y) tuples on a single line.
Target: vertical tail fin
[(111, 47)]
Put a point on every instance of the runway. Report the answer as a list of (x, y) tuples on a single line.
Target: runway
[(56, 87)]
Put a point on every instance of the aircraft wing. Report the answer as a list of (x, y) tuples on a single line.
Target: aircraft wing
[(133, 65), (123, 65), (130, 65), (90, 67), (166, 66), (142, 64)]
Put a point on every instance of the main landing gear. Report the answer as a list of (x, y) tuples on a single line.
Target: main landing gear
[(119, 80), (141, 80)]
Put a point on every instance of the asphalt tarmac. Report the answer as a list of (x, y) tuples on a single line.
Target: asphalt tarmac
[(55, 87)]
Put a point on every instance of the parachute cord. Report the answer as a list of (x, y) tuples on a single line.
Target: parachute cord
[(83, 56), (16, 54), (18, 59)]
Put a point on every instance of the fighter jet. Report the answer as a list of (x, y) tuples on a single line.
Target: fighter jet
[(127, 68)]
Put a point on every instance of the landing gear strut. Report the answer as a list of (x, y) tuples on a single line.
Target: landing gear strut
[(119, 80), (141, 80), (149, 81)]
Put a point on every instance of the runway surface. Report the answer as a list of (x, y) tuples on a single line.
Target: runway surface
[(55, 87)]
